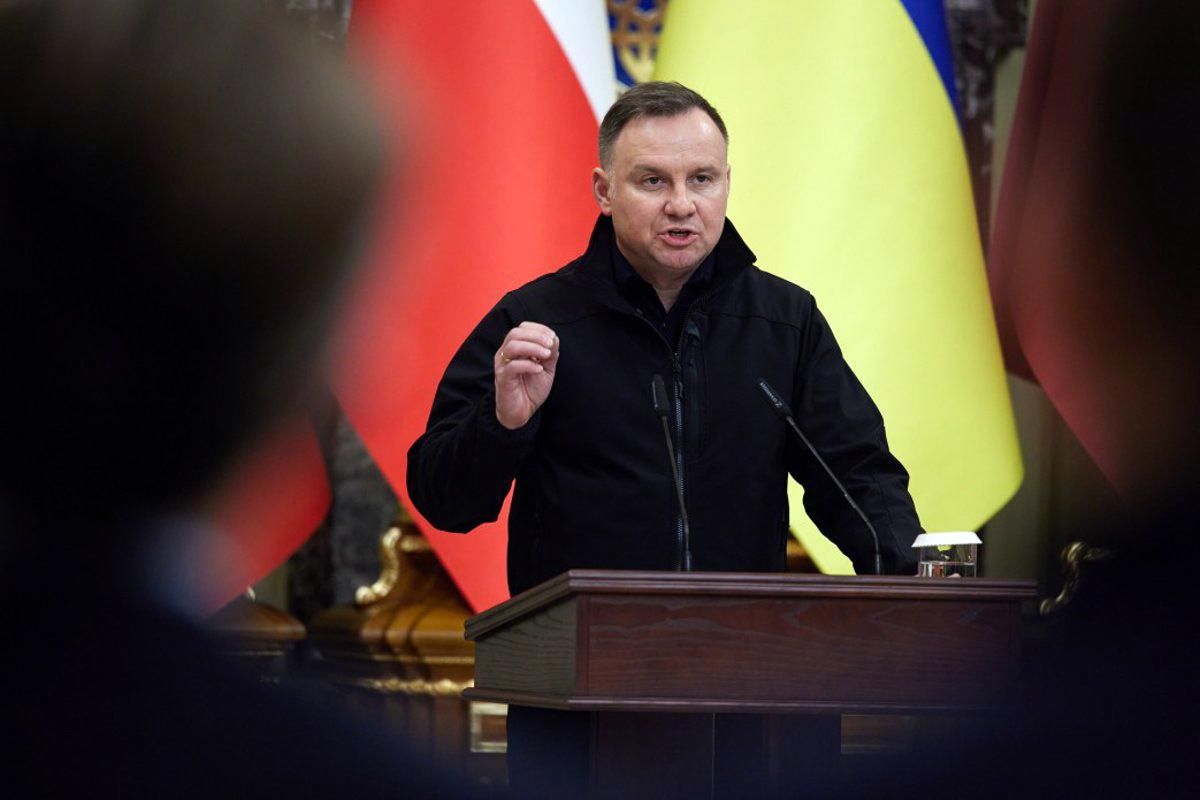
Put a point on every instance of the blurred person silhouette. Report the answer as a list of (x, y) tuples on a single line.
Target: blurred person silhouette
[(1112, 707), (1110, 701), (183, 188)]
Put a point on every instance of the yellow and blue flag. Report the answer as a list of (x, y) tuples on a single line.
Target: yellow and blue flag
[(849, 177)]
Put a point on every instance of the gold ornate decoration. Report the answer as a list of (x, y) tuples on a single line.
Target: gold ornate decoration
[(389, 575), (417, 686), (410, 544), (635, 36), (434, 661), (1073, 557)]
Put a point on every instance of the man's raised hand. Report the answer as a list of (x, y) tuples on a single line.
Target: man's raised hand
[(524, 367)]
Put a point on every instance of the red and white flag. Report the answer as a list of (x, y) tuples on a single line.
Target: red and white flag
[(268, 505), (499, 109)]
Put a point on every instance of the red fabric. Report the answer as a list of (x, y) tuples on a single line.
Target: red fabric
[(490, 189), (270, 504), (1044, 239), (1018, 166)]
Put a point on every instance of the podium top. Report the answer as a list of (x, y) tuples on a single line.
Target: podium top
[(746, 584)]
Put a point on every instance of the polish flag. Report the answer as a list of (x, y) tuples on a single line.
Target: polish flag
[(272, 500), (495, 112)]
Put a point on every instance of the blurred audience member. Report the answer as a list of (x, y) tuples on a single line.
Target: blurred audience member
[(1111, 707), (183, 187)]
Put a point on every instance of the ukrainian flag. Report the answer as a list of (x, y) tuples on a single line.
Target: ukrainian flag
[(850, 179)]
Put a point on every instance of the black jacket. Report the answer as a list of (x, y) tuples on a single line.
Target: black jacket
[(593, 481)]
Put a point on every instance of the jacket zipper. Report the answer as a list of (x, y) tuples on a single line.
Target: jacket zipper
[(677, 376), (677, 380)]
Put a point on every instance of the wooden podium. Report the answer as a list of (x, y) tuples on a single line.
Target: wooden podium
[(654, 655)]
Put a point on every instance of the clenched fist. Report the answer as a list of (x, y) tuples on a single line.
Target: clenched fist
[(525, 366)]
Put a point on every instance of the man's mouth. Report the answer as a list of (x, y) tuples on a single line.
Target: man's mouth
[(678, 237)]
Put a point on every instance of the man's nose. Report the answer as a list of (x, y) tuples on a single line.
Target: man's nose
[(680, 202)]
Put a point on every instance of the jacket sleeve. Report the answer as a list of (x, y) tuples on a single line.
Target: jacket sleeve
[(844, 425), (462, 467)]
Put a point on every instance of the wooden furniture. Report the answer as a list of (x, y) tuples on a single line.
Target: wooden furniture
[(399, 652), (653, 655), (262, 636)]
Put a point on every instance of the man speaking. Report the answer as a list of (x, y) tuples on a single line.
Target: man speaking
[(566, 384), (554, 387)]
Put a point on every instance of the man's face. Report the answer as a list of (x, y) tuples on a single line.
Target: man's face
[(666, 190)]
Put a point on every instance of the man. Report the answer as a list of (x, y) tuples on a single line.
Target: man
[(182, 187), (553, 389)]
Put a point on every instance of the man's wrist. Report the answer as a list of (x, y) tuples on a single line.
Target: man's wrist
[(510, 425), (492, 426)]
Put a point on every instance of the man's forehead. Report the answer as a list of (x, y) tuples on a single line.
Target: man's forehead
[(658, 141)]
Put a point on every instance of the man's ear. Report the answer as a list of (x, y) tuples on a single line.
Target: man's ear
[(601, 190)]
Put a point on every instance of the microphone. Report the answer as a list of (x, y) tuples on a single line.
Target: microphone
[(658, 391), (782, 410)]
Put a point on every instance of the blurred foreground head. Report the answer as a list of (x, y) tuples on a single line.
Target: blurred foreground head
[(1136, 297), (182, 188)]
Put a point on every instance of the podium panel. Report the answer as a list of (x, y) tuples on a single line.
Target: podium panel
[(670, 641), (628, 644)]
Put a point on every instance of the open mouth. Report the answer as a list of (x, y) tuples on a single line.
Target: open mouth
[(678, 236)]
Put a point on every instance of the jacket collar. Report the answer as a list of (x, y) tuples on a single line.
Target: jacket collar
[(594, 268), (628, 280)]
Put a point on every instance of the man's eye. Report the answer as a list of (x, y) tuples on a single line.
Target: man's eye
[(653, 180), (702, 179)]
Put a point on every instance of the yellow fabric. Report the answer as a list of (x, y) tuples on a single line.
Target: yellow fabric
[(849, 179)]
